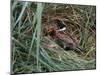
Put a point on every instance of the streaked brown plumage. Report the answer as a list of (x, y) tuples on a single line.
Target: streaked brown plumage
[(63, 39)]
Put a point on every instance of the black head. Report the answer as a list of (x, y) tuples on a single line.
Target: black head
[(60, 24)]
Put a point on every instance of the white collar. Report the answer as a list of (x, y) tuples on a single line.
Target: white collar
[(64, 28)]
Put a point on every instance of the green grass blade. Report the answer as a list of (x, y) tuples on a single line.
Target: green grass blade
[(38, 15), (22, 11)]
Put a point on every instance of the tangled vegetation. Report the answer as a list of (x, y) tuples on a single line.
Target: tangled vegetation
[(32, 51)]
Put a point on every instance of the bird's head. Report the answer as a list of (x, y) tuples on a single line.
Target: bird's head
[(61, 26)]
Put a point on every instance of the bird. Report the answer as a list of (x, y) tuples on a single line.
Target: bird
[(63, 39)]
